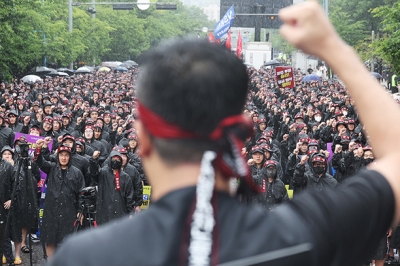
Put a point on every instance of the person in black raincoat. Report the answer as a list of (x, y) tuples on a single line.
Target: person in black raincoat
[(6, 134), (64, 184), (273, 190), (23, 212), (134, 158), (134, 175), (77, 160), (97, 135), (96, 145), (6, 170), (115, 188), (256, 163), (340, 157), (316, 177)]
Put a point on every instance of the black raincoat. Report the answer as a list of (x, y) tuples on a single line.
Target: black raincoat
[(62, 201), (111, 203), (6, 136), (23, 212), (303, 179)]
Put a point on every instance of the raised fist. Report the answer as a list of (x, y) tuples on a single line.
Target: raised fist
[(96, 154)]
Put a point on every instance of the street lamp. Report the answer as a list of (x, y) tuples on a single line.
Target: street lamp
[(143, 4)]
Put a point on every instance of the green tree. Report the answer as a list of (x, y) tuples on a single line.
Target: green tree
[(21, 36), (388, 46), (128, 39), (354, 20)]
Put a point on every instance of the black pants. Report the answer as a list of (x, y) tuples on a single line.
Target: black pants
[(8, 251)]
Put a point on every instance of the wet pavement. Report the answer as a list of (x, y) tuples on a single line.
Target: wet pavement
[(37, 256)]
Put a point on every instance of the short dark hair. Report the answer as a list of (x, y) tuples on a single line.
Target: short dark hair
[(194, 85)]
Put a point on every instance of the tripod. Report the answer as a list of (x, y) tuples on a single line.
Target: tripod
[(31, 204), (87, 210)]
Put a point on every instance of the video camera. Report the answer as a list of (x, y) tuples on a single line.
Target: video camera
[(88, 195), (23, 150)]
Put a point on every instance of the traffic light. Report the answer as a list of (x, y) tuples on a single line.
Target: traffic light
[(91, 10), (123, 7), (166, 6)]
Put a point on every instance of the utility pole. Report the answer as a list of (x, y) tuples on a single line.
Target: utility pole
[(94, 8), (372, 60), (71, 64)]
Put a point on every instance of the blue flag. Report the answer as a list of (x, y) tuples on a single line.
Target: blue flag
[(225, 23)]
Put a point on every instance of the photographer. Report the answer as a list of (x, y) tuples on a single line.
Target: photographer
[(24, 209), (64, 184)]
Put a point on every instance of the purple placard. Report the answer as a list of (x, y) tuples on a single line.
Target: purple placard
[(329, 147), (32, 145)]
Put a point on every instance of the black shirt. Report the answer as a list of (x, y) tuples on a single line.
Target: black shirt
[(343, 227)]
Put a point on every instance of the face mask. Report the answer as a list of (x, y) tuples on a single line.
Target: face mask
[(368, 161), (344, 113), (318, 118), (319, 170), (345, 147), (271, 173), (115, 165)]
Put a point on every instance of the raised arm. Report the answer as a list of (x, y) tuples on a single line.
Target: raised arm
[(307, 27)]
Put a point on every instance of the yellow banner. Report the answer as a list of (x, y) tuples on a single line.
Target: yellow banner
[(146, 197)]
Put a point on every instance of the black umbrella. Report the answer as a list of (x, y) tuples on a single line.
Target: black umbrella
[(120, 69), (272, 63), (52, 72), (66, 70), (40, 70)]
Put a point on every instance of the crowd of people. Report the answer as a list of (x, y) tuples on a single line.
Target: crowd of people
[(305, 138), (308, 137), (87, 121)]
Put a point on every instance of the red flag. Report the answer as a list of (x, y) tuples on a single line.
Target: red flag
[(228, 41), (211, 37), (239, 47)]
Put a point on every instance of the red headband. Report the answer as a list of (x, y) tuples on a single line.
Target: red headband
[(236, 166), (160, 128)]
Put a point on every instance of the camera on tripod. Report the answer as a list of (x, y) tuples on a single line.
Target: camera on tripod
[(88, 195), (23, 150)]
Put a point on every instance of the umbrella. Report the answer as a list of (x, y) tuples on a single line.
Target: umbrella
[(111, 64), (104, 69), (31, 79), (131, 63), (40, 70), (90, 68), (52, 72), (62, 74), (311, 77), (66, 70), (376, 75), (82, 70), (125, 65), (272, 63), (121, 69)]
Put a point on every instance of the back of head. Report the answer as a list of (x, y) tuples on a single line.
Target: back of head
[(194, 85)]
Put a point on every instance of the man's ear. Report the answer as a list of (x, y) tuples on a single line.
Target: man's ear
[(144, 139)]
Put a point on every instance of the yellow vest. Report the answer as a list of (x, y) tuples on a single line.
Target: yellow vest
[(394, 83)]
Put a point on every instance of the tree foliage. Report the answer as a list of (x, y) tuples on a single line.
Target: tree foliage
[(355, 20), (388, 46), (32, 31)]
